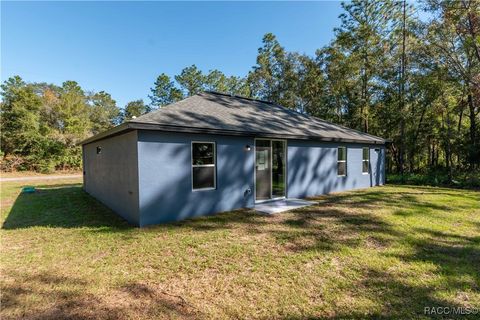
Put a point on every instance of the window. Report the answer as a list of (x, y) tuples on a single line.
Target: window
[(365, 160), (99, 150), (203, 165), (342, 161)]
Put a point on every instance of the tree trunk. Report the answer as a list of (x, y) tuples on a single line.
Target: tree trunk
[(448, 145), (473, 129), (472, 19), (411, 156), (402, 91)]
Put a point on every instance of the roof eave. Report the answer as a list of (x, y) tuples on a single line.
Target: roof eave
[(127, 126), (172, 128)]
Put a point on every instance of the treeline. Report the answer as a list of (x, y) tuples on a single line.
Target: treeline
[(386, 72), (42, 123)]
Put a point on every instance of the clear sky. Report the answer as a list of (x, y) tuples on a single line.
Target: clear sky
[(121, 47)]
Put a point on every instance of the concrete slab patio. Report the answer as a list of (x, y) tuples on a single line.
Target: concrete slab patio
[(277, 206)]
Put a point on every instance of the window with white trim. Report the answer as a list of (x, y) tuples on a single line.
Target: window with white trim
[(203, 166), (366, 160), (342, 161)]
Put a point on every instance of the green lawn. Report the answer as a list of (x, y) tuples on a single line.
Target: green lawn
[(385, 252)]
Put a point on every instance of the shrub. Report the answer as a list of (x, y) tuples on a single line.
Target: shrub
[(465, 179)]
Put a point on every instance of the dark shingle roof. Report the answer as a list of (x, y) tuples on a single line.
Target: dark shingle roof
[(217, 113)]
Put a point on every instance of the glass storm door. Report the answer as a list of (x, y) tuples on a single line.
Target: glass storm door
[(270, 170), (278, 169), (263, 177)]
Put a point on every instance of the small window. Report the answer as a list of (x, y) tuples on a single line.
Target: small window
[(203, 165), (342, 161), (366, 160), (99, 150)]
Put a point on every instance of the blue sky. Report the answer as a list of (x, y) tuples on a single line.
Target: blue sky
[(121, 47)]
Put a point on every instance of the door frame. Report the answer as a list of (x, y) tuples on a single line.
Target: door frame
[(271, 168)]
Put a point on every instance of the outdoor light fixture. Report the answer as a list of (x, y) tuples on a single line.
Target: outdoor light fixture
[(248, 148)]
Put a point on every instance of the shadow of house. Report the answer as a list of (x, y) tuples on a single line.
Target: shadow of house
[(60, 205)]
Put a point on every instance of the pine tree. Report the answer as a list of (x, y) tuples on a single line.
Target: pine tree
[(164, 91)]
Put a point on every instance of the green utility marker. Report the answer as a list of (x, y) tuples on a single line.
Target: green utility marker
[(28, 189)]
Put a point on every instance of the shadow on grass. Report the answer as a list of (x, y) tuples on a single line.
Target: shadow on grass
[(334, 223), (66, 298), (61, 205), (398, 300), (379, 198), (455, 257)]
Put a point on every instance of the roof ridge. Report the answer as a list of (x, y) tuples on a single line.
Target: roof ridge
[(322, 120), (288, 110), (236, 96), (291, 111), (160, 108)]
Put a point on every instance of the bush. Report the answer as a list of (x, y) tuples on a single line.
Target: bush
[(12, 163), (438, 178), (45, 166)]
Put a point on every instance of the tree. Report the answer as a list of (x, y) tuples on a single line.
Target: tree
[(134, 109), (43, 123), (275, 77), (164, 91), (238, 86), (104, 113), (73, 113), (20, 117), (217, 81), (361, 37), (339, 97), (453, 35), (191, 80), (311, 89)]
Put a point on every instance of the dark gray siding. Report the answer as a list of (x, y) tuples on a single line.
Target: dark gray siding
[(112, 175), (165, 182), (312, 168)]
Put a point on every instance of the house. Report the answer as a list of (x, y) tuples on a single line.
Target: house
[(214, 152)]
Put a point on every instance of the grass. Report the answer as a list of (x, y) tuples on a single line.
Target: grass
[(385, 252)]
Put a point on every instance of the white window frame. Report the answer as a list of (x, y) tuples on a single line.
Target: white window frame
[(204, 165), (346, 165), (368, 161)]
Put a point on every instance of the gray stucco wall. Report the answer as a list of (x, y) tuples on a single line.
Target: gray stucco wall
[(145, 176), (312, 168), (165, 184), (112, 175)]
